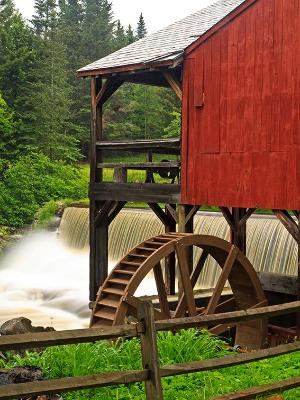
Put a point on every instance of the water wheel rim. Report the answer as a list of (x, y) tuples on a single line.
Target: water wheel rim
[(244, 282)]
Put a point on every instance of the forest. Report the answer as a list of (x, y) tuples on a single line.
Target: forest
[(45, 107)]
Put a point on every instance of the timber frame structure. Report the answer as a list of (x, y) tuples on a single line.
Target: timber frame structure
[(195, 85)]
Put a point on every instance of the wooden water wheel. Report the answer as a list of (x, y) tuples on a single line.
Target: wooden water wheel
[(116, 301)]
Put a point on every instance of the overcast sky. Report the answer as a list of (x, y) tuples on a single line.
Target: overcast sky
[(157, 13)]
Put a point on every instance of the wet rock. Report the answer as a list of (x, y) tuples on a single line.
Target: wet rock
[(20, 375), (23, 375), (21, 325)]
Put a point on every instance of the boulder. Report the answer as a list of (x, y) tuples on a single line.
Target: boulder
[(21, 325)]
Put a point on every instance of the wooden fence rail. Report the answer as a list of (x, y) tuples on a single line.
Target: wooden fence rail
[(151, 373)]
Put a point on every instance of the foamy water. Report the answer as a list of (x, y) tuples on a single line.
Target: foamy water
[(45, 281)]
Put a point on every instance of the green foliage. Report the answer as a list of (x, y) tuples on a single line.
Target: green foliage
[(174, 128), (184, 346), (51, 107), (7, 132), (141, 28), (139, 112), (45, 213), (34, 180)]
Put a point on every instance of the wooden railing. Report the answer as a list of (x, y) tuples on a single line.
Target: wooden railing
[(151, 374)]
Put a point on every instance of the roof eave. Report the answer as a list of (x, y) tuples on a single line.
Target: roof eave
[(235, 13), (129, 68)]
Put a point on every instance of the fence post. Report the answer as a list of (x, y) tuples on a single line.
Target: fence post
[(150, 352)]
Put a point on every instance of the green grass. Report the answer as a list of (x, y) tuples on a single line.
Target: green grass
[(185, 346)]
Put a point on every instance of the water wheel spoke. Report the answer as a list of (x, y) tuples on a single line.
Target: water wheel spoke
[(220, 329), (214, 301), (226, 306), (116, 296), (161, 290), (223, 307), (194, 278), (185, 279), (133, 302)]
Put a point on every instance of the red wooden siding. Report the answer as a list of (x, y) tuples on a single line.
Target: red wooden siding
[(241, 112)]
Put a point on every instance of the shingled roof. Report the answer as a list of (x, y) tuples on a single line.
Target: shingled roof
[(169, 43)]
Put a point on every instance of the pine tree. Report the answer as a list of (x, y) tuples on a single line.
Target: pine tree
[(45, 18), (71, 17), (17, 60), (7, 132), (130, 35), (120, 36), (49, 99), (98, 29), (141, 28)]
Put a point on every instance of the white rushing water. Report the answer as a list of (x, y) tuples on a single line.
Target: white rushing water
[(45, 281), (46, 278)]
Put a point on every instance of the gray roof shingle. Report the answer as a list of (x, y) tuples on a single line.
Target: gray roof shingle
[(168, 43)]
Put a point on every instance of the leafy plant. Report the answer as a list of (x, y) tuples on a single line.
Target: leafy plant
[(34, 180)]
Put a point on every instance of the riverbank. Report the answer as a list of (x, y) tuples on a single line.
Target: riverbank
[(9, 237)]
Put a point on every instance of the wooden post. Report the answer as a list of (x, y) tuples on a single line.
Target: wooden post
[(98, 234), (170, 262), (150, 352), (238, 231), (186, 215)]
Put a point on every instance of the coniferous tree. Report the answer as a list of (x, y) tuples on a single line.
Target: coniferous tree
[(17, 60), (71, 15), (98, 29), (8, 144), (50, 97), (45, 18), (141, 28), (120, 36), (130, 35)]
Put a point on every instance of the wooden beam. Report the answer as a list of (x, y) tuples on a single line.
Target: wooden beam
[(71, 384), (102, 216), (129, 68), (246, 216), (57, 338), (227, 318), (172, 210), (228, 361), (191, 213), (170, 261), (144, 192), (116, 210), (238, 231), (270, 388), (277, 283), (288, 222), (110, 86), (174, 83), (164, 146), (159, 212), (97, 262), (227, 215)]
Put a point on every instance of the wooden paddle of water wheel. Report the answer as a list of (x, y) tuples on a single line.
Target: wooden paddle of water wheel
[(116, 302)]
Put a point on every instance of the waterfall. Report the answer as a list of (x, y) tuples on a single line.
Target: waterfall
[(45, 278), (270, 248)]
